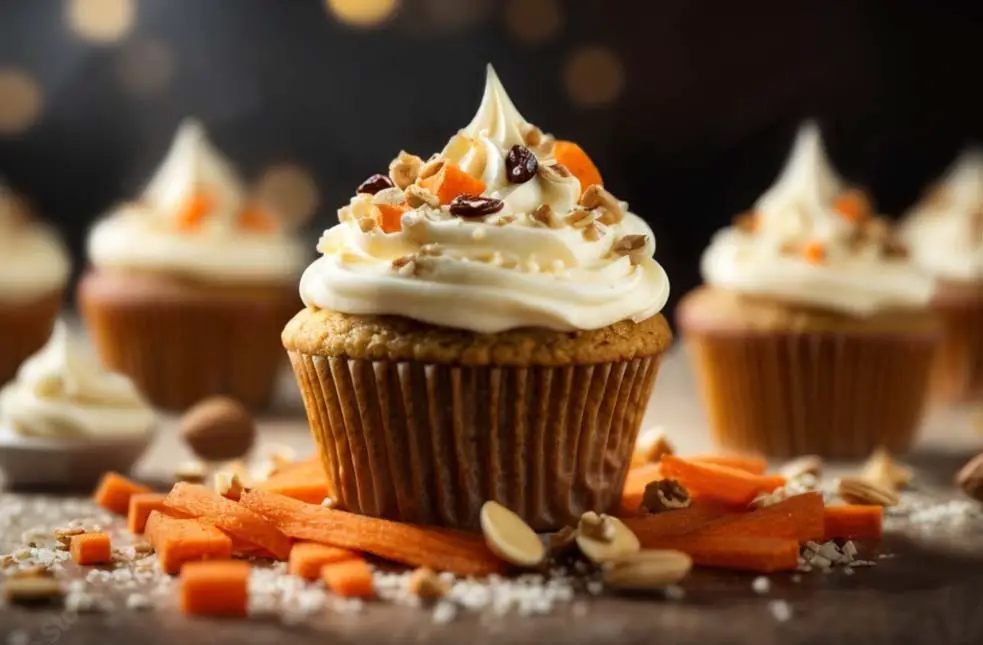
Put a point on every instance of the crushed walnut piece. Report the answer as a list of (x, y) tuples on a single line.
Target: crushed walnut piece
[(597, 198), (504, 220), (543, 216), (563, 541), (404, 169), (632, 246), (430, 168), (431, 250), (417, 196), (579, 218), (367, 224), (554, 172), (406, 265), (596, 527), (650, 446), (592, 233), (665, 495), (541, 144), (426, 584)]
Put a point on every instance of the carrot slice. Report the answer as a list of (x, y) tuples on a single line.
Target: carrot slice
[(854, 521), (798, 518), (390, 216), (91, 548), (349, 579), (762, 555), (255, 219), (438, 548), (576, 160), (853, 205), (719, 483), (217, 588), (451, 182), (652, 528), (180, 540), (633, 492), (114, 491), (307, 558), (197, 501), (305, 481), (748, 463), (814, 252), (195, 211), (141, 506)]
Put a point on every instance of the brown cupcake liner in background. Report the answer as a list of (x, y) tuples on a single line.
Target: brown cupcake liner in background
[(838, 395), (24, 329), (430, 443), (180, 346), (958, 371)]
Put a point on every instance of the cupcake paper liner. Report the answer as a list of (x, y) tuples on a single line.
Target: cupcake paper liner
[(430, 443), (832, 394), (24, 329), (958, 374)]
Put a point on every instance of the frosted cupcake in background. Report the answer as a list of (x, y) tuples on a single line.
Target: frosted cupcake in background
[(34, 269), (945, 234), (481, 326), (191, 284), (812, 333)]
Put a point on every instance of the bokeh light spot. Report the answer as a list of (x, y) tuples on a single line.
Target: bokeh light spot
[(146, 67), (454, 15), (594, 76), (533, 21), (101, 21), (290, 191), (363, 13), (20, 101)]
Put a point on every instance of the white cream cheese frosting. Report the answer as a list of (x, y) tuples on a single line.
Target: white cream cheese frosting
[(802, 246), (945, 231), (34, 262), (64, 393), (547, 257), (148, 235)]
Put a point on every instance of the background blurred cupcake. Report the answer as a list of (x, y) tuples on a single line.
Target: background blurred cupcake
[(945, 234), (482, 326), (34, 268), (812, 334), (191, 285)]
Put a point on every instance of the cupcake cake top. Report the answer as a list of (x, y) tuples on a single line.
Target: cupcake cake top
[(63, 392), (195, 220), (35, 262), (813, 240), (945, 230), (504, 228)]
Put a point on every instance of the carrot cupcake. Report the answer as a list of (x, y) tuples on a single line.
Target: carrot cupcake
[(812, 333), (481, 326), (191, 284), (945, 234), (33, 273)]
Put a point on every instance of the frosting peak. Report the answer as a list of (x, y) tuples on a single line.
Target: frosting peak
[(63, 392), (497, 118), (35, 262)]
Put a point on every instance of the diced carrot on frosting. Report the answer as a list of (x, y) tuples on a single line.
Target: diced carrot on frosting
[(814, 252), (451, 182), (576, 160), (389, 215), (853, 205), (254, 218), (195, 211)]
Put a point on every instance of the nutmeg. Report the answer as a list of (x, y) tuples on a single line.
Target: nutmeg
[(218, 429)]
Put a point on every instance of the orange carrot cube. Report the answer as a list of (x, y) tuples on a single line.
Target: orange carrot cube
[(141, 506), (114, 491), (578, 162), (219, 588), (91, 548), (349, 579), (195, 211), (814, 252), (451, 182), (254, 218), (307, 558), (389, 216)]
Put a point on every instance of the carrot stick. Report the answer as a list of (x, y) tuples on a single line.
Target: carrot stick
[(652, 528), (197, 501), (216, 588), (91, 548), (307, 558), (141, 505), (854, 521), (798, 518), (305, 481), (763, 555), (180, 540), (719, 483), (748, 463), (349, 579), (438, 548), (114, 491)]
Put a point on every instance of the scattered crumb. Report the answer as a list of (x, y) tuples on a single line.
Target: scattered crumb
[(674, 593), (761, 585), (780, 610), (444, 612)]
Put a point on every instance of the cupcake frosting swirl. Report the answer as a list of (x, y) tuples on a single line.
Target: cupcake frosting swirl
[(811, 240), (945, 230), (194, 220), (61, 392), (34, 260), (546, 256)]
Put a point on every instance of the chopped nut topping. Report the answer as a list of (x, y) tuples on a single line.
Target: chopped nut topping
[(229, 485), (404, 169), (504, 220), (650, 447), (596, 527), (24, 590), (329, 502), (562, 541), (367, 224), (649, 570), (579, 218), (509, 537), (881, 468), (592, 233), (405, 265), (36, 571), (854, 490), (430, 250), (665, 495), (430, 168), (596, 197), (541, 144), (417, 196), (388, 197), (805, 465), (192, 472), (64, 536), (632, 246), (426, 584), (554, 172), (543, 215)]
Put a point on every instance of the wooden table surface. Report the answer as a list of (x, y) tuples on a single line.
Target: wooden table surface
[(931, 591)]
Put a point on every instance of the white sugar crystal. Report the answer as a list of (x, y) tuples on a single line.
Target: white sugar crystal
[(830, 551), (138, 602), (761, 585), (674, 592), (444, 612), (850, 549), (781, 610)]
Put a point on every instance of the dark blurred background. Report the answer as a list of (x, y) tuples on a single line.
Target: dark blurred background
[(688, 107)]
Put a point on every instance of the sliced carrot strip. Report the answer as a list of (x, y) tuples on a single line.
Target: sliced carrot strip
[(763, 555), (91, 548), (438, 548), (307, 558), (141, 505), (853, 205), (197, 501), (349, 578), (721, 484), (305, 481), (814, 252), (451, 182), (253, 218), (180, 540), (798, 518), (748, 463), (218, 588), (652, 528), (195, 211), (390, 216), (576, 160), (855, 522), (633, 492), (114, 491)]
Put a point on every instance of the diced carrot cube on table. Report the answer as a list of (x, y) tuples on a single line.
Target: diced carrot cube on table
[(217, 588), (141, 505), (349, 579), (307, 558), (114, 491), (91, 548)]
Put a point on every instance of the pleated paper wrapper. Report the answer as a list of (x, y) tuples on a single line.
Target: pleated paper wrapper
[(830, 394), (958, 375), (24, 329), (429, 444)]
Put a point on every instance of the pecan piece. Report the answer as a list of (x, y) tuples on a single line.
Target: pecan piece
[(404, 169), (665, 495)]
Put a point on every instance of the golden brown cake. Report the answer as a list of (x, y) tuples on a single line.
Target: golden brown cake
[(482, 326)]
